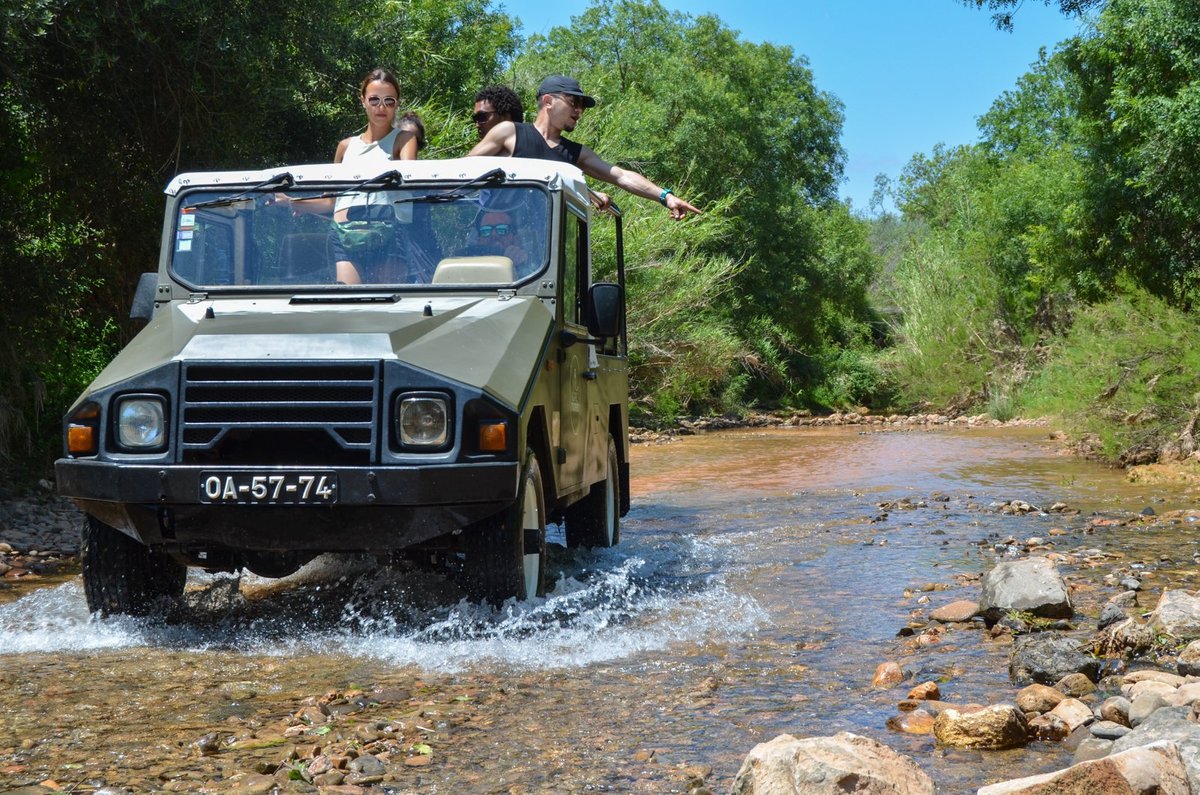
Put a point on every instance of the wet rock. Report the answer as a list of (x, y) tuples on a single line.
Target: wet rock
[(917, 721), (1108, 730), (1169, 723), (995, 727), (1140, 687), (833, 765), (957, 612), (1177, 613), (925, 691), (1032, 585), (1127, 638), (1092, 748), (1125, 599), (209, 744), (1156, 769), (1143, 706), (887, 674), (1188, 663), (1047, 659), (1049, 727), (1154, 675), (1073, 712), (1110, 615), (1038, 698), (1185, 696), (1116, 709), (1075, 685)]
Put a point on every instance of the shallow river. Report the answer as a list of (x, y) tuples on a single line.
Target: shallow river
[(757, 585)]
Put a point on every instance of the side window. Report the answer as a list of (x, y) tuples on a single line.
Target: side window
[(575, 268)]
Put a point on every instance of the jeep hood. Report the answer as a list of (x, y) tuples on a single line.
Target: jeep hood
[(492, 343)]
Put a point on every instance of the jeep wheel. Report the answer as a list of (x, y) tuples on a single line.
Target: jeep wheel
[(124, 577), (506, 553), (595, 521)]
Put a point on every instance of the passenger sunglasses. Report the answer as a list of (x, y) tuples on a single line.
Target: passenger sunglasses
[(387, 102), (486, 231), (572, 100), (482, 116)]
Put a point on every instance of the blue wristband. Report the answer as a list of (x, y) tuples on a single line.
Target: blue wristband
[(662, 197)]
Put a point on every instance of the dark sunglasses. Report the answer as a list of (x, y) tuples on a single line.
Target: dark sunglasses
[(482, 116), (387, 102), (486, 231)]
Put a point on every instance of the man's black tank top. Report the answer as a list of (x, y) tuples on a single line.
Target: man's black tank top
[(530, 143)]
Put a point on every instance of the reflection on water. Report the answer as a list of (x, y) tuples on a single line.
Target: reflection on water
[(762, 576)]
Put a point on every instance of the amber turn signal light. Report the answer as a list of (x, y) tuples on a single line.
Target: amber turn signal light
[(81, 439), (493, 437)]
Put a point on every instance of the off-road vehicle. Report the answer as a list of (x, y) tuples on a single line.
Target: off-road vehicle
[(394, 358)]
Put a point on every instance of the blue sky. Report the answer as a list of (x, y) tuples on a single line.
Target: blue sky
[(910, 73)]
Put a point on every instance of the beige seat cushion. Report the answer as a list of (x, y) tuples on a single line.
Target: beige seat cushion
[(492, 269)]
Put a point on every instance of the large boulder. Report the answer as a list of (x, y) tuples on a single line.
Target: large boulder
[(1171, 724), (1031, 585), (996, 727), (1178, 613), (1046, 659), (843, 763), (1155, 769)]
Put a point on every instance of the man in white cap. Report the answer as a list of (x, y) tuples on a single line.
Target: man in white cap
[(560, 103)]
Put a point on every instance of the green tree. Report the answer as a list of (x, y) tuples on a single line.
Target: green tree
[(686, 101), (101, 104), (1003, 11), (1139, 120)]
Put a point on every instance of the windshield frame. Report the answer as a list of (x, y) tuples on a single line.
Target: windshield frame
[(179, 234)]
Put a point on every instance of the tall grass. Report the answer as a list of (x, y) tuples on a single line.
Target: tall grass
[(1127, 374), (948, 328)]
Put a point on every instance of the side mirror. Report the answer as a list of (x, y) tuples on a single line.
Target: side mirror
[(605, 309), (143, 298)]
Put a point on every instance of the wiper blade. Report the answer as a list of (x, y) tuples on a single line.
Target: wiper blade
[(495, 176), (284, 180), (391, 179)]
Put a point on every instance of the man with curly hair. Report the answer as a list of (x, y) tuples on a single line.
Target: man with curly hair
[(495, 104)]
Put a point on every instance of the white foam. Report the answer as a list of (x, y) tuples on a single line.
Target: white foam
[(607, 605)]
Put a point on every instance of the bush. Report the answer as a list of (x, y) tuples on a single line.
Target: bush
[(1125, 374)]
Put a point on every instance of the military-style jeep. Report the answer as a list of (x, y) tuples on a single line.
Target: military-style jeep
[(389, 358)]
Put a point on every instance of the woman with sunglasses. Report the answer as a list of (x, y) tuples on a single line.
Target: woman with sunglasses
[(380, 96)]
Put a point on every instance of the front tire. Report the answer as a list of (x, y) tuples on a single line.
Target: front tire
[(595, 521), (124, 577), (506, 553)]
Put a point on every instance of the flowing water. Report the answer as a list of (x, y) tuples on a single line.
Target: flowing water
[(761, 578)]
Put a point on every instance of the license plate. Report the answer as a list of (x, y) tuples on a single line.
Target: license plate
[(269, 488)]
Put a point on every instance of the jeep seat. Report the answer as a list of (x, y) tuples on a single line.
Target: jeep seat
[(491, 269)]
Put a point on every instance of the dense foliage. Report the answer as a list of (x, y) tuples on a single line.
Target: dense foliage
[(762, 297), (1067, 239)]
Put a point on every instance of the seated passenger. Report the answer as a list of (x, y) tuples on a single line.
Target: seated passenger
[(496, 233)]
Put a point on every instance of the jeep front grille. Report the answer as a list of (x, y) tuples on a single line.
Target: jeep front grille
[(285, 413)]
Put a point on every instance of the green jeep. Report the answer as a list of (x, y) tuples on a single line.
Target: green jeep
[(394, 358)]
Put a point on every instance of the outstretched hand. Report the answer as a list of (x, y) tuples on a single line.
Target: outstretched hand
[(679, 208)]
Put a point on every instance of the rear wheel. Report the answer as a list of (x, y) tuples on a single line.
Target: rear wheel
[(506, 553), (595, 521), (124, 577)]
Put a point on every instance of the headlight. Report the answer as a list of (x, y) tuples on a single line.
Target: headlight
[(423, 421), (141, 423)]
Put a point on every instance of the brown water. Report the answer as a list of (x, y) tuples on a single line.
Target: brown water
[(757, 586)]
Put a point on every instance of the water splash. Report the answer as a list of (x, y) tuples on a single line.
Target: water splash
[(604, 605)]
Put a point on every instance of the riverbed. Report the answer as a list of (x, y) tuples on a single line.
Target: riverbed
[(762, 576)]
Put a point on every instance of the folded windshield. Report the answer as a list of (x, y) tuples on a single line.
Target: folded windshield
[(399, 236)]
